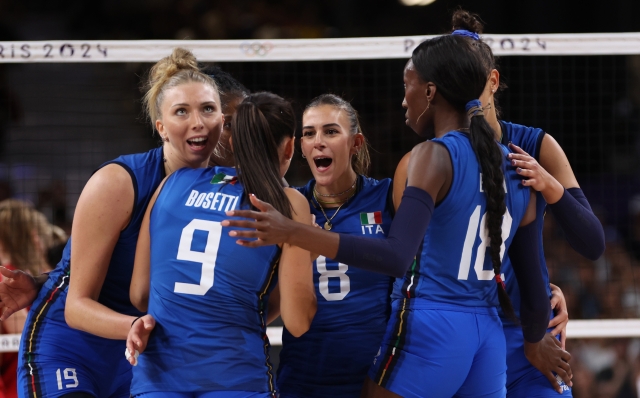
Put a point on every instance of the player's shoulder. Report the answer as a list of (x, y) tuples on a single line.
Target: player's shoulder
[(511, 129)]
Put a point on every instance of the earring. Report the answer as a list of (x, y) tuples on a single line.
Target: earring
[(304, 157), (165, 139)]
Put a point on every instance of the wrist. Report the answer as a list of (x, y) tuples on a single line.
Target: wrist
[(553, 192)]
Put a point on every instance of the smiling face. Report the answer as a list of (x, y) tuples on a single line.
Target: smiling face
[(328, 144), (190, 124), (415, 100)]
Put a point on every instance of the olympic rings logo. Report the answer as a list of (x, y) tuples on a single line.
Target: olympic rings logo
[(256, 48)]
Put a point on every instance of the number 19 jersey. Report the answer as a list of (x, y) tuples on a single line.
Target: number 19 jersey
[(208, 295), (453, 265)]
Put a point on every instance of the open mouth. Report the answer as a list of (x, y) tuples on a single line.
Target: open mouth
[(198, 142), (322, 163)]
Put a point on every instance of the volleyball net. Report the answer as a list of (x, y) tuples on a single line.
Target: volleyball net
[(68, 106)]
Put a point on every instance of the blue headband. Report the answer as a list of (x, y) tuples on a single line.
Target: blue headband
[(464, 32), (473, 108)]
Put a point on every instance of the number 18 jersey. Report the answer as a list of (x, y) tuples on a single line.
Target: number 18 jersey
[(208, 295), (453, 265)]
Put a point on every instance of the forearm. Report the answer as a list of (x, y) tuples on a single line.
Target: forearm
[(581, 227), (92, 317), (296, 292), (534, 301), (391, 256)]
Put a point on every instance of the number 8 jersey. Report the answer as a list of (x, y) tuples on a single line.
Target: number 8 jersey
[(208, 295), (453, 264)]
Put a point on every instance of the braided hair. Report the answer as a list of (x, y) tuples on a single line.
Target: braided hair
[(458, 69)]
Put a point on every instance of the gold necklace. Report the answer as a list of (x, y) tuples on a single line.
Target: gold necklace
[(335, 194), (327, 224), (321, 202)]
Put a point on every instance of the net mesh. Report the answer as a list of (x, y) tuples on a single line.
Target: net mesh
[(59, 121)]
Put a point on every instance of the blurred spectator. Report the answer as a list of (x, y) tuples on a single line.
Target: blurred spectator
[(25, 237)]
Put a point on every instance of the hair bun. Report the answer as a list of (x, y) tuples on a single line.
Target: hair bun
[(462, 19), (179, 59)]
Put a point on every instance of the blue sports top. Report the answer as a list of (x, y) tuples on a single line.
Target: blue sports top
[(208, 295), (530, 140), (453, 265), (333, 357), (146, 171)]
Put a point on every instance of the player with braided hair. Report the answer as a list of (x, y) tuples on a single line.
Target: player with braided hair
[(541, 161), (444, 302)]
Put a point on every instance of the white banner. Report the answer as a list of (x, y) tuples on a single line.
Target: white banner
[(306, 49)]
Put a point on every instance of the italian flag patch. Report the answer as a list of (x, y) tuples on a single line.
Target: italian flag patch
[(222, 178), (371, 218)]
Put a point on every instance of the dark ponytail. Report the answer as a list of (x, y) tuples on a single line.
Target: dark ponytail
[(459, 70), (262, 122)]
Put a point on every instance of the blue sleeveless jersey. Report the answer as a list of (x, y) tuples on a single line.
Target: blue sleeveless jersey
[(208, 295), (333, 357), (46, 334), (453, 264), (530, 140)]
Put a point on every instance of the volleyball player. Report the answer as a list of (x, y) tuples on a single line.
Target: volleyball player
[(73, 340), (332, 358), (208, 296), (444, 337), (232, 92), (559, 188)]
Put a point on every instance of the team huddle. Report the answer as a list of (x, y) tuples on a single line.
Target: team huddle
[(430, 284)]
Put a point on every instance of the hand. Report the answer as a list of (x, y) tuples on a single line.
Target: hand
[(269, 228), (561, 317), (139, 337), (537, 177), (17, 291), (548, 357)]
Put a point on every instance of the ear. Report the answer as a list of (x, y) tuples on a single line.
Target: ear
[(430, 91), (358, 142), (160, 128), (494, 81), (289, 147)]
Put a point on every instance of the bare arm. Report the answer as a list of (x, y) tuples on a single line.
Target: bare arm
[(400, 180), (295, 275), (103, 211), (140, 280)]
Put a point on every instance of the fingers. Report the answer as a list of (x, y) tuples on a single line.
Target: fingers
[(554, 301), (6, 313), (560, 318), (563, 339), (517, 150), (554, 383), (7, 272), (260, 205), (252, 243), (245, 234), (240, 224), (564, 373), (256, 215)]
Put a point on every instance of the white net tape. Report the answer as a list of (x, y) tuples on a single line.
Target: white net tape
[(306, 49), (596, 328)]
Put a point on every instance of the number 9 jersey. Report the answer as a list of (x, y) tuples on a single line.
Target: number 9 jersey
[(208, 295)]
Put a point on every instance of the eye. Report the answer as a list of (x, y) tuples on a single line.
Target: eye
[(332, 131), (209, 109), (181, 111), (308, 133), (227, 125)]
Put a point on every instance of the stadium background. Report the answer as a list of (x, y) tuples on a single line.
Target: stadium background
[(58, 122)]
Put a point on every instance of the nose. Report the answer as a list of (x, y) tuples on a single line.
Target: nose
[(318, 141), (197, 123), (404, 103)]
